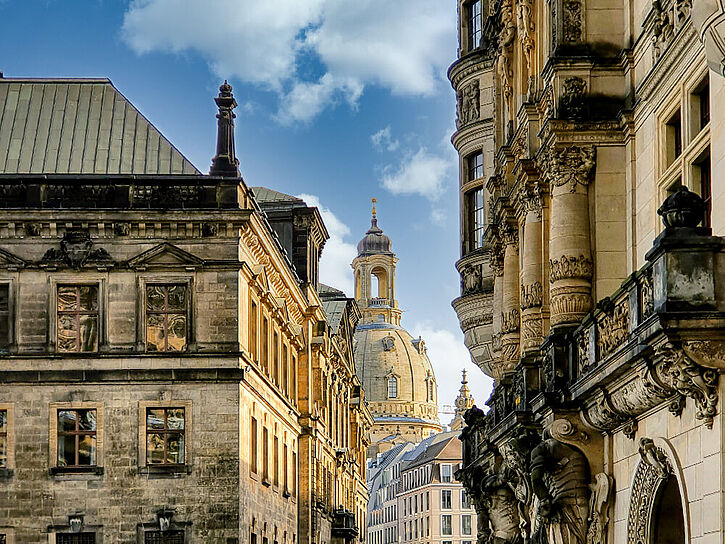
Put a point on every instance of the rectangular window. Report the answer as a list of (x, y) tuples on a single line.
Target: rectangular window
[(276, 461), (704, 98), (293, 378), (253, 445), (166, 322), (427, 526), (253, 328), (294, 473), (427, 500), (275, 357), (75, 538), (447, 524), (475, 166), (285, 470), (446, 499), (476, 218), (445, 473), (4, 440), (703, 177), (165, 428), (465, 501), (265, 454), (466, 524), (77, 326), (285, 369), (475, 24), (4, 318), (76, 438), (673, 138), (265, 344), (167, 537)]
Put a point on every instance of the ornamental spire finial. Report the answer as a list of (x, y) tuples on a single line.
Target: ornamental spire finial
[(374, 221), (225, 162)]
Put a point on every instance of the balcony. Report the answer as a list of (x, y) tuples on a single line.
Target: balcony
[(380, 302), (475, 307)]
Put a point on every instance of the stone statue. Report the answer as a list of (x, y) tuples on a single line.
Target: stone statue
[(525, 27), (504, 60), (502, 510), (560, 477)]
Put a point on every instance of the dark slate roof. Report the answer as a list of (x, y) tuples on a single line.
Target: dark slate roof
[(447, 449), (79, 126), (330, 293), (334, 310), (263, 194)]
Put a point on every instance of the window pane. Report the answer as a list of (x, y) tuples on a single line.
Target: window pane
[(3, 451), (177, 297), (89, 332), (67, 333), (154, 448), (3, 421), (155, 418), (75, 538), (87, 450), (66, 450), (67, 420), (155, 332), (87, 420), (89, 297), (167, 537), (175, 448), (176, 340), (67, 300), (175, 418), (154, 298)]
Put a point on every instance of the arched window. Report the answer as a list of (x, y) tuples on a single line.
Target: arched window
[(392, 387), (668, 523)]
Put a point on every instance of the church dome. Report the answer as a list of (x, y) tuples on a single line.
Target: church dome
[(396, 374), (374, 241)]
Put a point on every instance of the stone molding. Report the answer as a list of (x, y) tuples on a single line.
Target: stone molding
[(572, 165), (570, 267)]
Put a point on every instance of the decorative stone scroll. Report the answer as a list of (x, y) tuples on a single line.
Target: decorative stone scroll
[(572, 165)]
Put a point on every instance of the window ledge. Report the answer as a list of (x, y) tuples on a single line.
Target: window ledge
[(266, 482), (286, 494), (165, 471), (76, 470)]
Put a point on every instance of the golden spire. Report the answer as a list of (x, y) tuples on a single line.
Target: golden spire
[(374, 201)]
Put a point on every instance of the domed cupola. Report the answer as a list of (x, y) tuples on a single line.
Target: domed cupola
[(374, 242)]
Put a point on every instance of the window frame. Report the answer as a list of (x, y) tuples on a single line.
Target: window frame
[(9, 407), (9, 533), (474, 230), (144, 467), (58, 280), (392, 380), (470, 525), (162, 279), (53, 410), (165, 432), (450, 518), (10, 283), (471, 34), (450, 473), (449, 494)]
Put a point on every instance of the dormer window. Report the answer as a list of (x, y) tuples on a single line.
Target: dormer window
[(392, 387), (475, 24)]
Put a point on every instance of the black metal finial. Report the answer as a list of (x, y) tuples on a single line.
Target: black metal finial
[(683, 208), (225, 162)]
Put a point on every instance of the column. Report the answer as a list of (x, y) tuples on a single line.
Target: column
[(496, 263), (531, 268), (570, 263), (510, 316)]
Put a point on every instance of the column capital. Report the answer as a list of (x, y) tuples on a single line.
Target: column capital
[(571, 166)]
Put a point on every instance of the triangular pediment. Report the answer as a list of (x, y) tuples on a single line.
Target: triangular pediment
[(167, 255), (9, 260)]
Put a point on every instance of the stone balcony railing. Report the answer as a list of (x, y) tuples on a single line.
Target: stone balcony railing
[(379, 302)]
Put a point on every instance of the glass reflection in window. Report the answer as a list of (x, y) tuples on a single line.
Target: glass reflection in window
[(165, 317), (165, 429), (77, 309)]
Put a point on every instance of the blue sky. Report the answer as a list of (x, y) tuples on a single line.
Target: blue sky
[(340, 101)]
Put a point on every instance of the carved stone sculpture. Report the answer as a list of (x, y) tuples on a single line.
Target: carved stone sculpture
[(501, 506), (526, 30), (572, 21), (662, 31), (469, 100), (504, 60), (654, 468), (572, 98), (572, 165), (568, 267), (560, 480), (613, 329), (531, 295), (471, 281)]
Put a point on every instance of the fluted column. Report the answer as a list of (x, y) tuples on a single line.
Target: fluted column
[(510, 316), (531, 268), (570, 264)]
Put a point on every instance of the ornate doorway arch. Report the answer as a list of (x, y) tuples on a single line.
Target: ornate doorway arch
[(657, 493)]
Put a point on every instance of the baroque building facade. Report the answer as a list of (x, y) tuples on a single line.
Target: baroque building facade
[(396, 374), (160, 344), (591, 141)]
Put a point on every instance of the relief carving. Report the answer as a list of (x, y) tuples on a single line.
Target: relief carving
[(572, 165), (471, 280), (568, 267), (662, 31), (572, 98), (388, 343), (582, 348), (572, 21), (469, 100), (647, 296), (76, 249), (510, 321), (525, 26), (531, 295), (613, 329), (504, 60), (652, 470)]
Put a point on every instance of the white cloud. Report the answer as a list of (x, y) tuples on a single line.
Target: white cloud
[(403, 46), (449, 357), (338, 254), (438, 216), (422, 173), (383, 139)]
